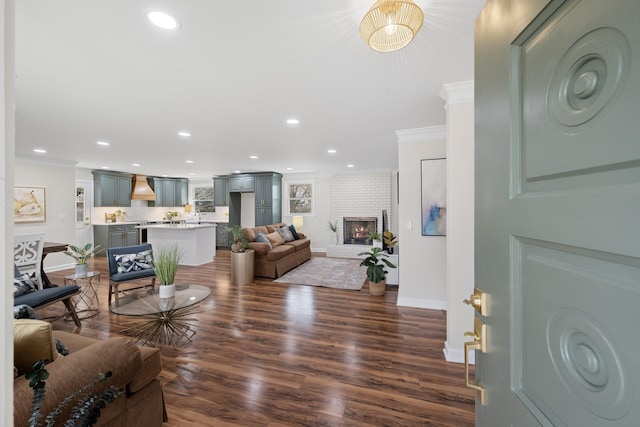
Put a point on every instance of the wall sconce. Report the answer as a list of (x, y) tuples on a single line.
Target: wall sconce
[(298, 222)]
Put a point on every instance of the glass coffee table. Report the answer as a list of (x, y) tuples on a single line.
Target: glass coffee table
[(161, 320)]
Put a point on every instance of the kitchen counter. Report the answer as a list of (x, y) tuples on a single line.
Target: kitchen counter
[(197, 242)]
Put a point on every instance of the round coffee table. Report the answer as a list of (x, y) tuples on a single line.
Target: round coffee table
[(161, 320)]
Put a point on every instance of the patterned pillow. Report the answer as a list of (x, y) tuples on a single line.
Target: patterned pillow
[(22, 285), (286, 234), (134, 262), (260, 237)]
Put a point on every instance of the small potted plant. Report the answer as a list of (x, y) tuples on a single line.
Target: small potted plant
[(333, 226), (239, 237), (389, 240), (121, 215), (375, 262), (374, 236), (82, 254), (166, 260)]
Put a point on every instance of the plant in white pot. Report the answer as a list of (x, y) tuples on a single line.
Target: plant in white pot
[(239, 238), (82, 254), (375, 262), (166, 260)]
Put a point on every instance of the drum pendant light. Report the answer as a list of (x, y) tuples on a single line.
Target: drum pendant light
[(391, 24)]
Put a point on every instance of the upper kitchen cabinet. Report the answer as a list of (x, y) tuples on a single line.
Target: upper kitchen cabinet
[(170, 192), (241, 184), (268, 198), (221, 191), (111, 189)]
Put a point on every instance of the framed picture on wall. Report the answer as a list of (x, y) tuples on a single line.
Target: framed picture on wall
[(29, 204), (434, 197)]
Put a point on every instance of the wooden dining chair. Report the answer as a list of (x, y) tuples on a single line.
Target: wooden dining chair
[(27, 255)]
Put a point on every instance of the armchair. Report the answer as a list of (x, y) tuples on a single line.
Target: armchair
[(129, 264)]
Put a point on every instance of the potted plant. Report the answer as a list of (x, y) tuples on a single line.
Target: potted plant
[(374, 236), (389, 240), (82, 254), (166, 260), (239, 237), (122, 215), (375, 262)]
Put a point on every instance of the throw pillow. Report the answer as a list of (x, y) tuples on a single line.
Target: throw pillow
[(260, 237), (22, 285), (286, 234), (294, 232), (275, 238), (134, 262), (24, 311), (32, 341)]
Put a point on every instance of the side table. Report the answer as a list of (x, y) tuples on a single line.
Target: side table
[(86, 303), (242, 267)]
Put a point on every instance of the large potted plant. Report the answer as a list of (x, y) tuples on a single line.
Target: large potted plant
[(375, 262), (239, 238), (166, 260), (82, 254)]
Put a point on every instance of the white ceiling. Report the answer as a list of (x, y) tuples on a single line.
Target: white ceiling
[(89, 70)]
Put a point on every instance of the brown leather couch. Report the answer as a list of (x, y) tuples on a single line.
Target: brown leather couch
[(134, 370), (274, 261)]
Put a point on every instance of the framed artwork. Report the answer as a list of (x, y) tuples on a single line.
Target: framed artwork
[(434, 197), (29, 204), (299, 197)]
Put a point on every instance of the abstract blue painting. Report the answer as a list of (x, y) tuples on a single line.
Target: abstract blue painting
[(434, 197)]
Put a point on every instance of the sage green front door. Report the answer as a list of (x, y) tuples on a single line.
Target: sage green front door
[(558, 212)]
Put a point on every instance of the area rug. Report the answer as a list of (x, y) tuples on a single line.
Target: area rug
[(340, 273)]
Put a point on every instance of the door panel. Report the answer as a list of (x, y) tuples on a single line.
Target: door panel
[(558, 191)]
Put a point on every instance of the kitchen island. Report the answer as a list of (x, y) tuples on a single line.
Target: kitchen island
[(197, 241)]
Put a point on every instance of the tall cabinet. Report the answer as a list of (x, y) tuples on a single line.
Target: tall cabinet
[(267, 189)]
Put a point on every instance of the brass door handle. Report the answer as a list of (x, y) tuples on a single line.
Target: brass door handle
[(478, 300), (479, 343)]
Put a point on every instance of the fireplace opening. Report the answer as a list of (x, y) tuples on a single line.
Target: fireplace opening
[(356, 230)]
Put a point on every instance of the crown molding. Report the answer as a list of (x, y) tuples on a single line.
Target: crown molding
[(455, 93), (430, 133)]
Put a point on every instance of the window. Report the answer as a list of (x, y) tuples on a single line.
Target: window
[(299, 197), (203, 199)]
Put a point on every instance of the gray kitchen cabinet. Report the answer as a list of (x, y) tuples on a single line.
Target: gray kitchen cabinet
[(111, 189), (221, 191), (115, 235), (170, 192), (222, 235), (268, 206), (241, 184)]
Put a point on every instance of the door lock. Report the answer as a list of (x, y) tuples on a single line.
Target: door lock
[(478, 300), (479, 342)]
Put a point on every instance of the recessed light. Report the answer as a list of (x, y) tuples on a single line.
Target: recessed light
[(253, 157), (189, 161), (293, 121), (289, 169), (349, 165), (331, 151), (165, 175), (105, 167), (184, 134), (163, 20), (192, 174), (135, 165), (39, 150), (236, 171), (103, 143)]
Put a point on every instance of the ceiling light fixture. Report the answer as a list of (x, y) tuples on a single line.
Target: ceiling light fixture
[(331, 151), (189, 161), (184, 134), (135, 165), (350, 165), (163, 20), (391, 24), (39, 150), (103, 143), (253, 157), (293, 121)]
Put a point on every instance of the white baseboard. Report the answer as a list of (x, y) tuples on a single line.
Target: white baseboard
[(59, 267), (456, 355), (422, 303)]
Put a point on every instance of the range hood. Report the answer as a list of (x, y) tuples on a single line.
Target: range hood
[(141, 189)]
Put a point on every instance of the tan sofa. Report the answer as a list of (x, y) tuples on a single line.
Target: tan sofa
[(275, 261), (134, 370)]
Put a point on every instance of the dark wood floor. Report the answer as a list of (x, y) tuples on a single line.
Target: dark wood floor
[(271, 354)]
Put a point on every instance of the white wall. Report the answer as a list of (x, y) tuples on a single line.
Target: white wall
[(460, 215), (59, 182), (422, 258)]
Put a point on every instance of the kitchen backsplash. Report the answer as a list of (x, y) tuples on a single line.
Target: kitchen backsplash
[(139, 211)]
